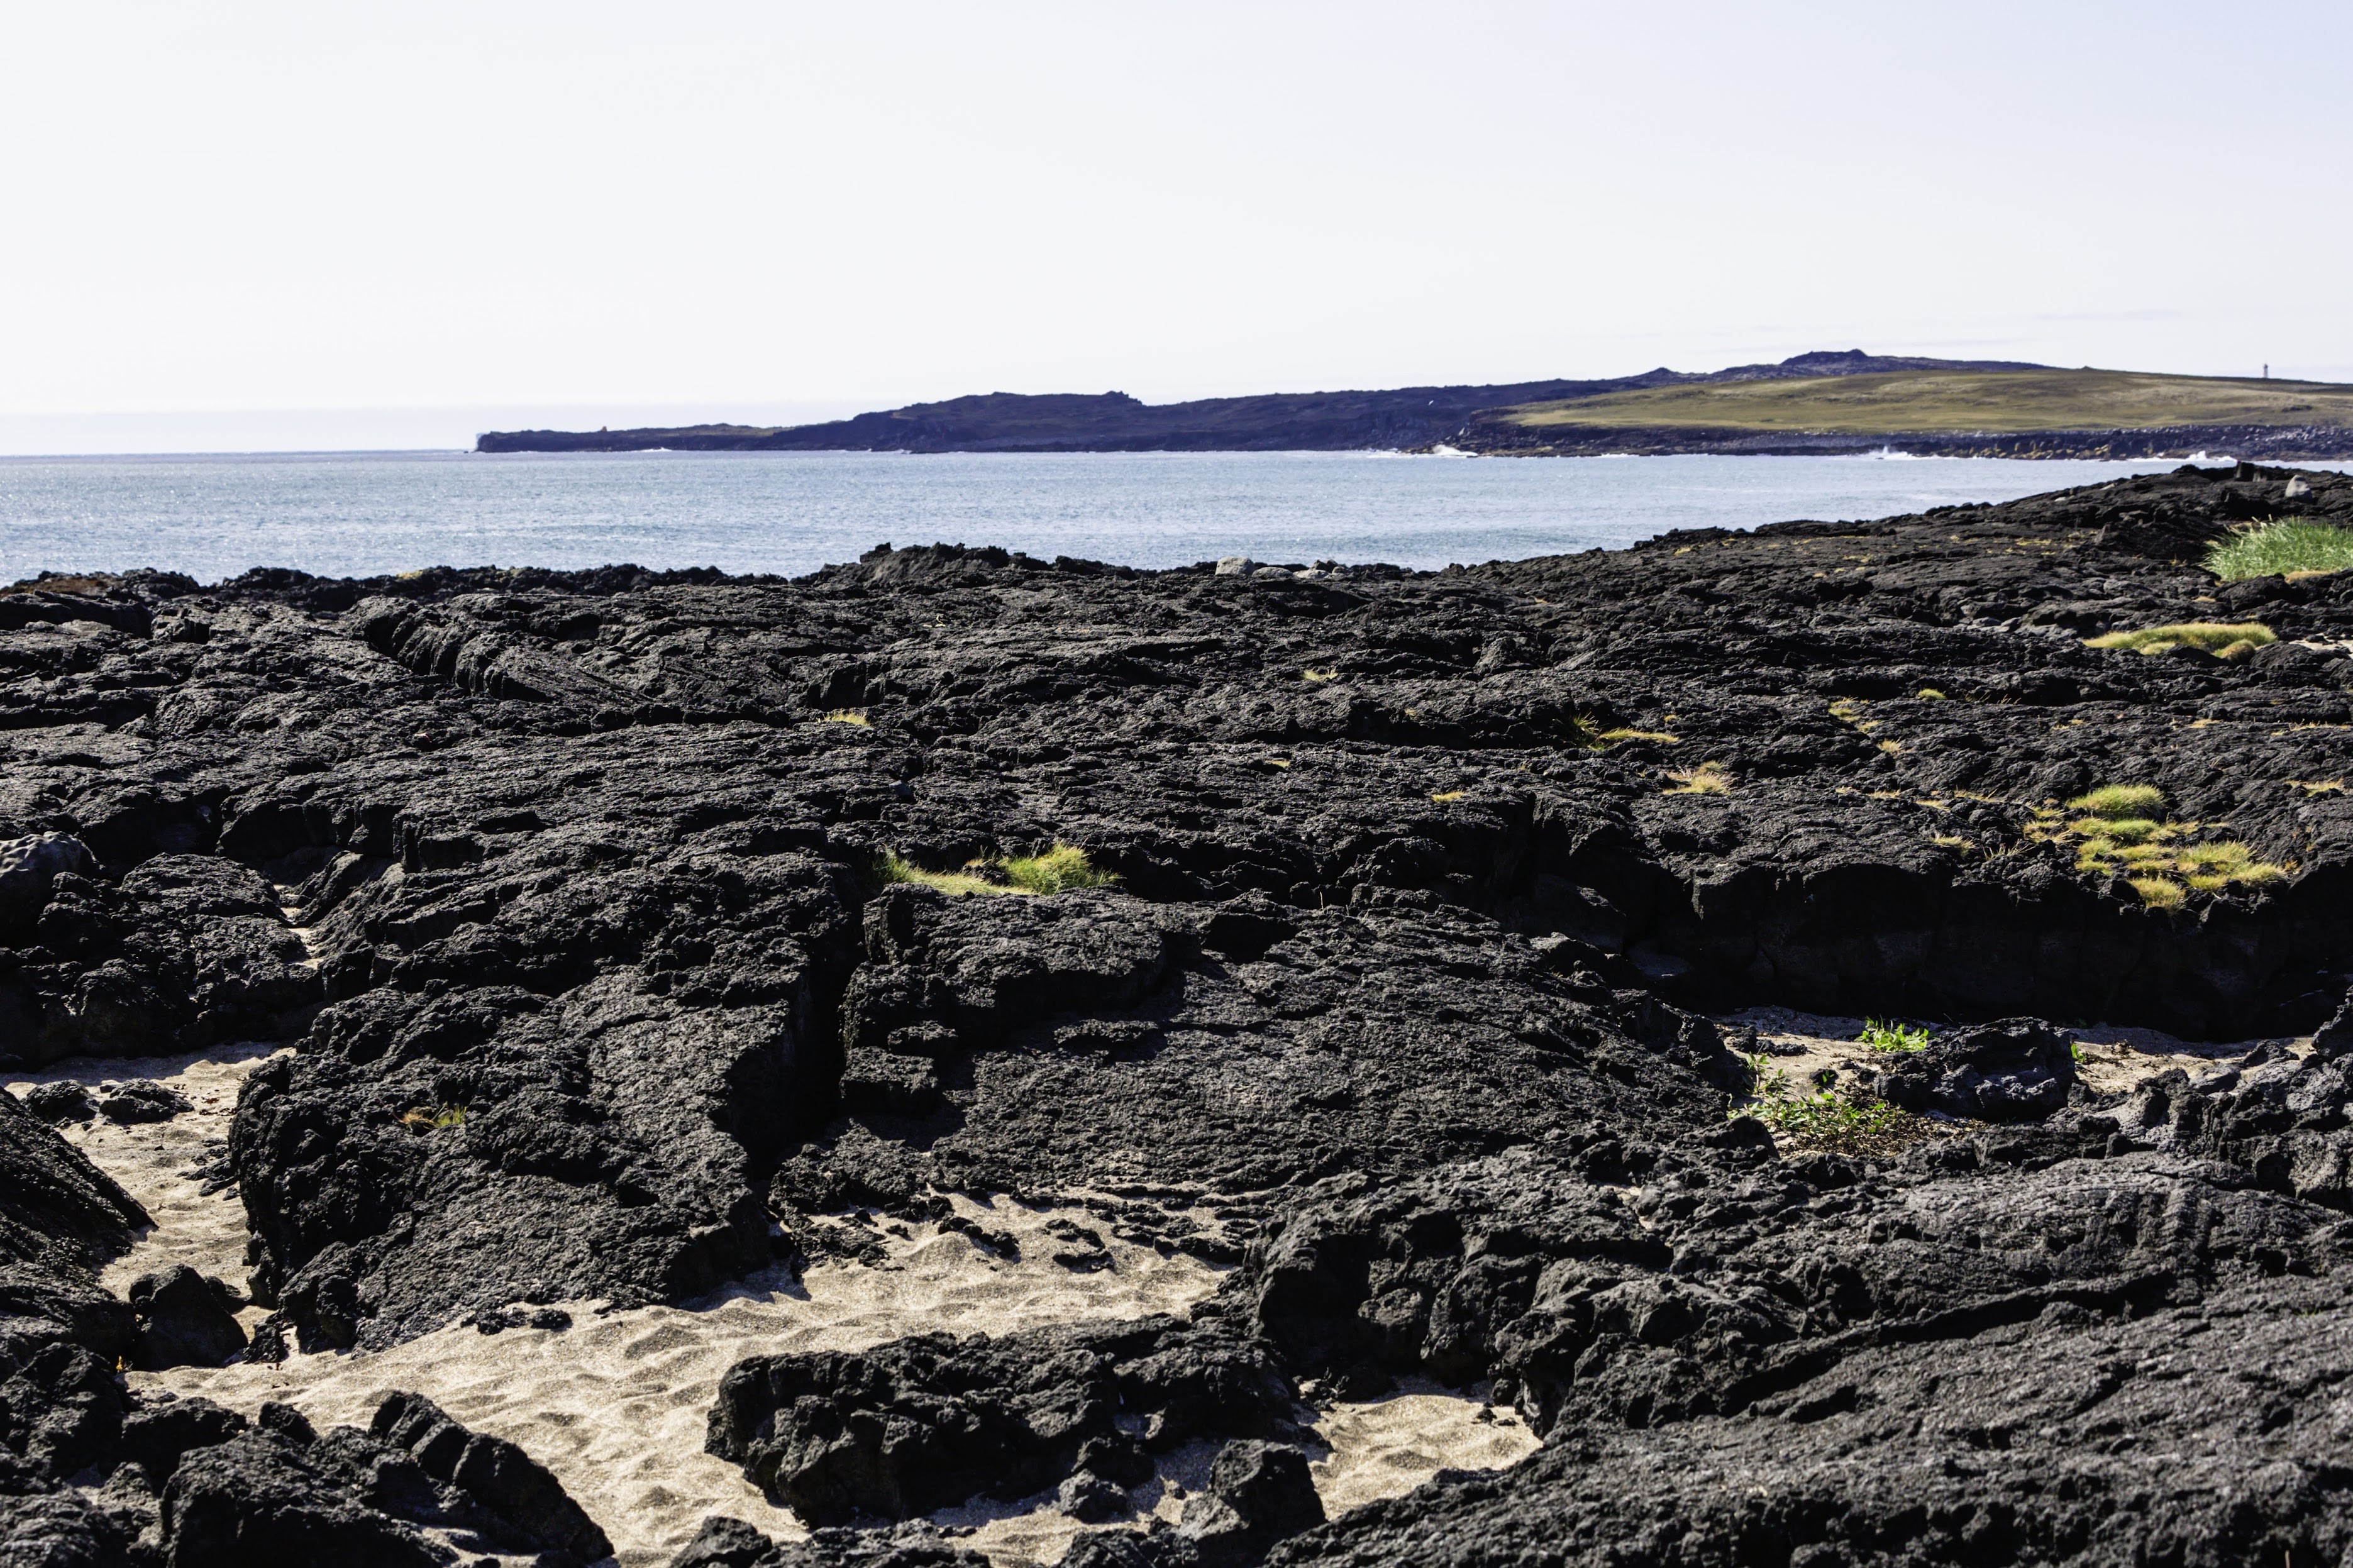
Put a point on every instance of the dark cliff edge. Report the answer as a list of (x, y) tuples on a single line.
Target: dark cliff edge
[(1407, 418)]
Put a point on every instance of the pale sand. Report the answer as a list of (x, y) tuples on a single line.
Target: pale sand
[(151, 1161), (1389, 1446), (2110, 1058), (617, 1404)]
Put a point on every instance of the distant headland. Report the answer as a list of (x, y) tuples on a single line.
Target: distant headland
[(1812, 403)]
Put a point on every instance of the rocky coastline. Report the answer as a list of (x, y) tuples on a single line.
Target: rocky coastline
[(1085, 1041)]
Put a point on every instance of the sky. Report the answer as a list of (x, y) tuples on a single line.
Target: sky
[(246, 225)]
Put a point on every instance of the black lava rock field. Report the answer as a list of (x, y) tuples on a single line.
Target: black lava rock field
[(1372, 934)]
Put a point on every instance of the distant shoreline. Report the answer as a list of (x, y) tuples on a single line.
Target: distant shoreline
[(1814, 404), (2195, 443)]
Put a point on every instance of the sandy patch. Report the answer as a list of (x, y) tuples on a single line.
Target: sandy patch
[(1388, 1446), (617, 1404), (160, 1162), (2110, 1058)]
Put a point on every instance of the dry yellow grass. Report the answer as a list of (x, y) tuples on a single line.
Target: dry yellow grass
[(1709, 778), (1058, 870), (1957, 403)]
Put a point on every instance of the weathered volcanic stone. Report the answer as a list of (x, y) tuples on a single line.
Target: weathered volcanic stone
[(920, 1424), (181, 1321)]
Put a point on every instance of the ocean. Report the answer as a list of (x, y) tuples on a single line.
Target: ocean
[(364, 513)]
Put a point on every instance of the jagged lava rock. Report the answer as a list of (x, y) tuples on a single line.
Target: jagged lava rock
[(919, 1424)]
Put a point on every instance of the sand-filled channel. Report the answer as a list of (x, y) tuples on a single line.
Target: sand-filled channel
[(617, 1404)]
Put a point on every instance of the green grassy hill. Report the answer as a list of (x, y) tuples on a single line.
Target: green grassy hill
[(1956, 403)]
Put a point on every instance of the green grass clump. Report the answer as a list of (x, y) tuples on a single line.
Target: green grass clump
[(2292, 546), (2121, 803), (1892, 1036), (2223, 639), (1063, 868), (848, 716), (1058, 870), (1661, 736), (2123, 833)]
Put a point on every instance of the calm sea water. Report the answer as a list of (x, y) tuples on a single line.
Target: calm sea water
[(364, 513)]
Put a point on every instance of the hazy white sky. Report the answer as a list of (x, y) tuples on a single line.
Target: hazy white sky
[(787, 210)]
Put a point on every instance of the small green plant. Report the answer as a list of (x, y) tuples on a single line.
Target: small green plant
[(848, 716), (1709, 778), (433, 1118), (2222, 639), (1614, 736), (1929, 694), (1449, 796), (1828, 1120), (1766, 1081), (1058, 870), (1319, 675), (2287, 547), (1891, 1035)]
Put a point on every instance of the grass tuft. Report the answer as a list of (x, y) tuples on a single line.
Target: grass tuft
[(848, 716), (1058, 870), (1061, 869), (1319, 675), (1709, 778), (1451, 795), (2123, 832), (2288, 546), (1661, 736), (1929, 694), (2120, 801), (2120, 830), (433, 1118), (2221, 638)]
